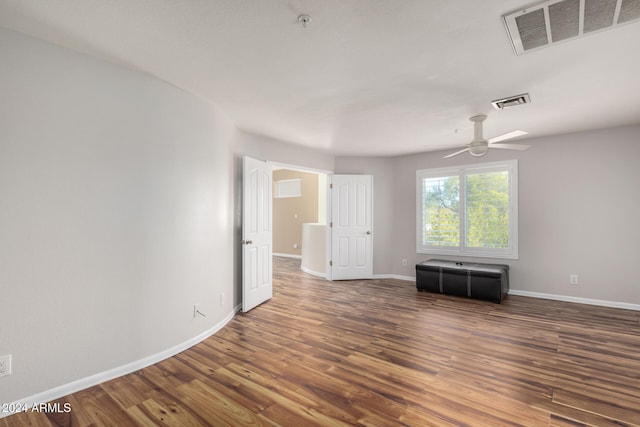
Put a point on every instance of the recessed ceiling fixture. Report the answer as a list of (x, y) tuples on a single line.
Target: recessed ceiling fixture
[(304, 20), (554, 21), (512, 101)]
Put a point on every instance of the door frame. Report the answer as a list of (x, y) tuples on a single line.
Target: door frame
[(273, 164), (329, 255)]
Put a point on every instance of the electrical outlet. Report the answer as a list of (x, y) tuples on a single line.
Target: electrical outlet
[(221, 298), (5, 365), (573, 279), (404, 262)]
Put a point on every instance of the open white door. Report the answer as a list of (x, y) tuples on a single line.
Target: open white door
[(257, 281), (350, 227)]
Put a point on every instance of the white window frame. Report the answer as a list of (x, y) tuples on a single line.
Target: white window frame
[(287, 188), (511, 166)]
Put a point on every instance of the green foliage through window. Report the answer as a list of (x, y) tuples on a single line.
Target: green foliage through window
[(441, 211), (469, 210), (487, 207)]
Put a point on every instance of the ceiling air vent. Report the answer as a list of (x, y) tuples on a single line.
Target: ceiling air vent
[(556, 20), (512, 101)]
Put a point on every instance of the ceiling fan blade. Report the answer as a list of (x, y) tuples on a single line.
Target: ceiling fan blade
[(510, 146), (456, 153), (507, 135)]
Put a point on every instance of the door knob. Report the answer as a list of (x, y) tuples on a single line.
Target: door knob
[(247, 242), (368, 232)]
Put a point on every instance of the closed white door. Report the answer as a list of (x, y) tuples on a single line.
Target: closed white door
[(257, 280), (351, 227)]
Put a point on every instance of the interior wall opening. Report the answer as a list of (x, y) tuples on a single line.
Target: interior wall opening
[(300, 216)]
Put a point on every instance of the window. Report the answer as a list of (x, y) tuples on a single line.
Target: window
[(468, 210), (289, 188)]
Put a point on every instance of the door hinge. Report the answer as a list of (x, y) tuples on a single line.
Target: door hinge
[(331, 225), (330, 263), (331, 186)]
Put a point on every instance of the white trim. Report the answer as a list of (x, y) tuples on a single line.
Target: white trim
[(92, 380), (314, 273), (578, 300), (288, 188), (394, 276), (328, 249), (461, 172), (278, 165), (539, 295), (288, 255)]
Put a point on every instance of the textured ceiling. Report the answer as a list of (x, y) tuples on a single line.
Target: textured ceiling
[(366, 77)]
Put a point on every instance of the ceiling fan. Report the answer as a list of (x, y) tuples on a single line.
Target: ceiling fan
[(479, 146)]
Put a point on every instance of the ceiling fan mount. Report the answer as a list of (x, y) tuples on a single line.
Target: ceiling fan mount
[(479, 146)]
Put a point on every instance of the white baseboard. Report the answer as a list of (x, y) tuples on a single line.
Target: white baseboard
[(288, 256), (578, 300), (555, 297), (90, 381), (394, 276), (313, 273), (603, 303)]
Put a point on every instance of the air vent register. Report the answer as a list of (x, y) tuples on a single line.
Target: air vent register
[(558, 20)]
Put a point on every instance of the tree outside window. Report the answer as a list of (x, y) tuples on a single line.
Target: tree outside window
[(477, 202)]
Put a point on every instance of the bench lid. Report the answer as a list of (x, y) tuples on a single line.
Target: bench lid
[(459, 265)]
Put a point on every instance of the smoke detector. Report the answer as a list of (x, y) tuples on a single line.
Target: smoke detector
[(304, 19), (554, 21)]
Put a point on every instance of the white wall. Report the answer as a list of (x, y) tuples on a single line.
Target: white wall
[(579, 204), (115, 216), (265, 148)]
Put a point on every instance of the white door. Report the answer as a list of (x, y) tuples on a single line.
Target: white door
[(257, 282), (351, 227)]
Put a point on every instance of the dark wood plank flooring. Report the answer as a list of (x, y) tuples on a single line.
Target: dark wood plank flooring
[(379, 353)]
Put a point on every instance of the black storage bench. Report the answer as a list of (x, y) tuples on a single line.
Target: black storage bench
[(475, 280)]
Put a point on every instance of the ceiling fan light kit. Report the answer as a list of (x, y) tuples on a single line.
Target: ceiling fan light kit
[(480, 146), (478, 149)]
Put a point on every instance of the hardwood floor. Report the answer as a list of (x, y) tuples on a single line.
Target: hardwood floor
[(379, 353)]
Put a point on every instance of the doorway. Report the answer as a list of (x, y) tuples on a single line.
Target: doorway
[(299, 198)]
